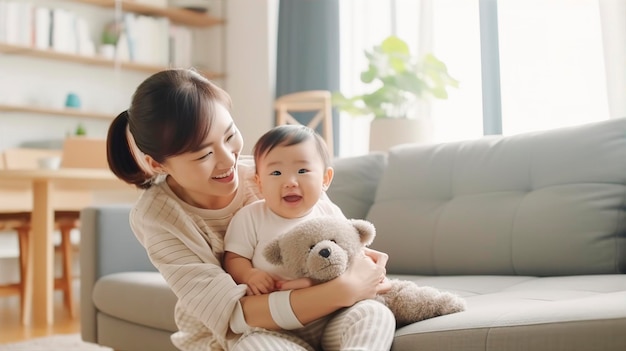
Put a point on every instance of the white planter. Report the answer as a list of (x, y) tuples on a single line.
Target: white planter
[(388, 132)]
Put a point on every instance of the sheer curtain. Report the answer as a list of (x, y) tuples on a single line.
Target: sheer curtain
[(552, 64), (613, 20), (447, 28), (561, 62)]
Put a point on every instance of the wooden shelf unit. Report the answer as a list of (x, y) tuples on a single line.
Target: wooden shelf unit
[(55, 111), (176, 15), (90, 60)]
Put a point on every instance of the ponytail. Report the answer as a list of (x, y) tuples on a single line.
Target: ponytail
[(122, 162)]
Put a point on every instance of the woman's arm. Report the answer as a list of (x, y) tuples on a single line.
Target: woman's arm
[(361, 281)]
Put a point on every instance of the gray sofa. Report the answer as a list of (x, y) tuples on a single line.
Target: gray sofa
[(530, 229)]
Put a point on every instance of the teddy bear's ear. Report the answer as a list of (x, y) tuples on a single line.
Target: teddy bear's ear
[(366, 230), (272, 253)]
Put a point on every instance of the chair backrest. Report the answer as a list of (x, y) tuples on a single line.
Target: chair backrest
[(25, 158), (81, 152), (308, 101)]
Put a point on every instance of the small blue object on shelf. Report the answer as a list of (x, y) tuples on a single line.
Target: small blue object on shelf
[(72, 101)]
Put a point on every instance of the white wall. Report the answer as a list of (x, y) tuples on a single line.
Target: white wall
[(251, 61)]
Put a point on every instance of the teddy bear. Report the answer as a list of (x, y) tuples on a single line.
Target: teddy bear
[(321, 249)]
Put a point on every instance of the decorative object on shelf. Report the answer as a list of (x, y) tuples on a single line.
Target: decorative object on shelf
[(52, 162), (72, 100), (401, 82), (110, 36), (80, 130)]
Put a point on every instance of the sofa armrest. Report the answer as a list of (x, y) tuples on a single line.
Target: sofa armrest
[(107, 246)]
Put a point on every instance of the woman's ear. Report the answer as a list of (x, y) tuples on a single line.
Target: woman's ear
[(328, 178), (155, 167)]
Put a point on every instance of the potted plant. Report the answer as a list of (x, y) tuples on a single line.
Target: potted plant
[(400, 80)]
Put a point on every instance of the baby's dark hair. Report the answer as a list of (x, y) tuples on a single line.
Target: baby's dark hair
[(287, 135), (171, 113)]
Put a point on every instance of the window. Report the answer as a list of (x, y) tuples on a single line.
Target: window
[(551, 64), (551, 61)]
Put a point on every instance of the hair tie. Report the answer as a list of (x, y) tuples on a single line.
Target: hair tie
[(140, 157)]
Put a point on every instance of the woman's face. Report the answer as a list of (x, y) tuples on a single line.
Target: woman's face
[(207, 178)]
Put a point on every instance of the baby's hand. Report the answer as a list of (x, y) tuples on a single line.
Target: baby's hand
[(294, 284), (259, 283)]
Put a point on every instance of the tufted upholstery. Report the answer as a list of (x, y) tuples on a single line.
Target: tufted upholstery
[(545, 203)]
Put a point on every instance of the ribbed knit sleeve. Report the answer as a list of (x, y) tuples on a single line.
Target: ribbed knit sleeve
[(186, 245)]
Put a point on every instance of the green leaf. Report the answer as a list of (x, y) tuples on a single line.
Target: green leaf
[(398, 80), (394, 45)]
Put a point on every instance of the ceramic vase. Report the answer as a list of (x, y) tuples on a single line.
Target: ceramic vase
[(389, 132)]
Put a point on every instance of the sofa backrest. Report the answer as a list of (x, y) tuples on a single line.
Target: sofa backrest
[(542, 203), (354, 185)]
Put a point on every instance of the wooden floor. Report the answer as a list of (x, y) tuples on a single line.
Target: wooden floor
[(13, 331)]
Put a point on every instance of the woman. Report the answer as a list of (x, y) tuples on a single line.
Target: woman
[(178, 141)]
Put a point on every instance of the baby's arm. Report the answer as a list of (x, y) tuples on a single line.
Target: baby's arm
[(240, 268)]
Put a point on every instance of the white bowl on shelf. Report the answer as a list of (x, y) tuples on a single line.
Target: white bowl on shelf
[(53, 162)]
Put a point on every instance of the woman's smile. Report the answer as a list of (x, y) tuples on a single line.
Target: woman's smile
[(225, 177)]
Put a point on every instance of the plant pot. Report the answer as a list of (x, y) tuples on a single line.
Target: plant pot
[(388, 132)]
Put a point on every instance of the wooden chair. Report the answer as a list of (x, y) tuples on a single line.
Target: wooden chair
[(316, 101), (76, 153), (20, 222)]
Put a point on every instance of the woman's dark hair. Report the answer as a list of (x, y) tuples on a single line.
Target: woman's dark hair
[(170, 113), (287, 135)]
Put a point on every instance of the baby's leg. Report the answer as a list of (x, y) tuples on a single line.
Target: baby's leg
[(312, 333), (263, 339), (367, 325)]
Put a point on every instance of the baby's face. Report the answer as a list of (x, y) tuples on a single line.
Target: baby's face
[(292, 178)]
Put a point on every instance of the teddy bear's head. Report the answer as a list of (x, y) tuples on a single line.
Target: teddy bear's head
[(320, 248)]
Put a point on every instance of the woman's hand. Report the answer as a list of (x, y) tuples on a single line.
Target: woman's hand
[(365, 277), (381, 259)]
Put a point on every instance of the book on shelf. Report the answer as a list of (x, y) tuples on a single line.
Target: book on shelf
[(62, 33), (151, 40), (15, 19), (180, 46), (42, 28)]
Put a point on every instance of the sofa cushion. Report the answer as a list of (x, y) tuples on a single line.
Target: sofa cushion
[(528, 312), (355, 182), (542, 203), (138, 297)]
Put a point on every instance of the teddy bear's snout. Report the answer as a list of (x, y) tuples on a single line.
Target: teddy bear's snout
[(325, 252), (326, 260)]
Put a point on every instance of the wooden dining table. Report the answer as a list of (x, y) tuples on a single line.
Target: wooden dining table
[(43, 183)]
